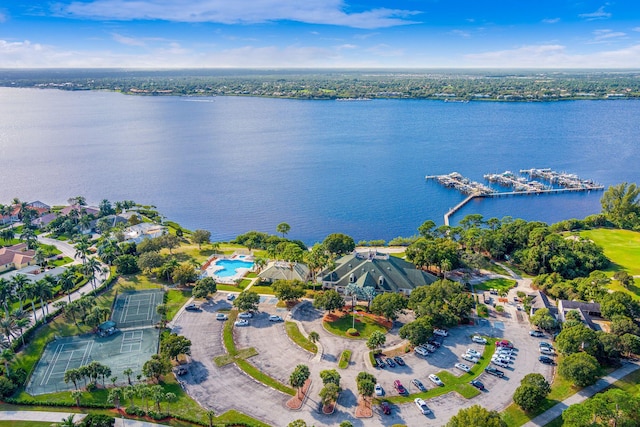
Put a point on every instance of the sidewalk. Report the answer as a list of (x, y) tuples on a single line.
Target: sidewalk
[(56, 417), (553, 413)]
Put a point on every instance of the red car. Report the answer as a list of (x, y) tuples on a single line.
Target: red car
[(504, 343), (399, 387), (386, 409)]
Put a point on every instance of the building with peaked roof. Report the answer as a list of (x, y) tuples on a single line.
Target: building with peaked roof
[(380, 271), (87, 210), (145, 230), (587, 311), (280, 270), (16, 257)]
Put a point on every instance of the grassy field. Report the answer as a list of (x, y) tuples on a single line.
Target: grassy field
[(499, 284), (364, 325), (622, 247)]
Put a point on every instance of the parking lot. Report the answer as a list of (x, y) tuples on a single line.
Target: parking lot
[(228, 388)]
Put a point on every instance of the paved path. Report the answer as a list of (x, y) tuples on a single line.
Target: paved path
[(56, 417), (553, 413)]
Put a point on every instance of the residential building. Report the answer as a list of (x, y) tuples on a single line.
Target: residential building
[(281, 270), (16, 257)]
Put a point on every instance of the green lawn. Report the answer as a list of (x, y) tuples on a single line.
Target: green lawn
[(499, 284), (175, 300), (364, 325), (267, 290), (622, 247), (297, 337)]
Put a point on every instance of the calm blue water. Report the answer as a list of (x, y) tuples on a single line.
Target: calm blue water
[(231, 164), (230, 267)]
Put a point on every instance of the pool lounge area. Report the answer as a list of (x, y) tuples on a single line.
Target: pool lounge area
[(230, 269)]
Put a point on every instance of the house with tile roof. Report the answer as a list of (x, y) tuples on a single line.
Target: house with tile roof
[(380, 271), (16, 257)]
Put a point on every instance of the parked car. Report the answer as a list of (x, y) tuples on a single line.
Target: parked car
[(493, 371), (546, 360), (231, 297), (473, 353), (536, 333), (504, 351), (477, 384), (499, 363), (399, 387), (221, 316), (441, 332), (436, 380), (431, 348), (469, 358), (416, 382), (546, 350), (421, 351), (245, 315), (389, 361), (545, 344), (462, 367), (181, 370), (422, 406), (241, 322), (192, 307), (478, 339), (379, 390), (504, 343), (502, 359), (434, 342), (399, 360), (385, 408), (275, 318)]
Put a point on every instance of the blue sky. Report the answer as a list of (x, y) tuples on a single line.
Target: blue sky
[(320, 33)]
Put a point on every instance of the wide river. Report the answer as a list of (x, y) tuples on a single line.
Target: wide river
[(234, 164)]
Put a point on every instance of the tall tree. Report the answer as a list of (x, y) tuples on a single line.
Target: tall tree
[(620, 204), (298, 377), (476, 416), (201, 237), (283, 228)]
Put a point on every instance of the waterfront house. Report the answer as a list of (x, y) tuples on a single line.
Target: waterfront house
[(380, 271), (145, 230)]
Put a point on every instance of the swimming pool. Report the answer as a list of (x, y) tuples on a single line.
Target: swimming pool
[(231, 267)]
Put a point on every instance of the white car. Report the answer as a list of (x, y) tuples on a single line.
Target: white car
[(275, 318), (499, 363), (245, 315), (546, 350), (436, 380), (379, 390), (221, 316), (421, 351), (501, 359), (462, 367), (478, 339), (504, 352), (422, 406), (471, 352), (469, 358), (440, 332), (241, 322)]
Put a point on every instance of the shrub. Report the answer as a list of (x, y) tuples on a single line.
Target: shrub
[(92, 386), (352, 332), (134, 410), (6, 387), (345, 357), (97, 420), (158, 415)]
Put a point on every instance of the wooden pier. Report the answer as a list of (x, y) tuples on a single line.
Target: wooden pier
[(570, 184)]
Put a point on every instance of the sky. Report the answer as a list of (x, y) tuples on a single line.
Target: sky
[(320, 34)]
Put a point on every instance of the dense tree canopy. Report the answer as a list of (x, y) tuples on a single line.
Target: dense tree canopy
[(621, 206), (339, 244), (476, 416), (581, 368)]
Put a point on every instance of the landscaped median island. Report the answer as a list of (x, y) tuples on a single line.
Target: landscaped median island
[(293, 331), (239, 357), (345, 358), (340, 324)]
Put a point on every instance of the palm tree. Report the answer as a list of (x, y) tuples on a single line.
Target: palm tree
[(19, 282), (32, 293), (7, 234), (8, 327), (128, 372), (43, 290), (72, 375), (92, 267), (298, 377), (6, 293), (68, 421), (67, 282), (82, 249), (158, 395), (53, 283), (115, 396), (21, 324), (76, 395), (7, 356), (40, 256), (29, 237)]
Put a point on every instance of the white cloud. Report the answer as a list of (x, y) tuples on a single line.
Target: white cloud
[(606, 34), (635, 29), (598, 14), (347, 46), (129, 41), (551, 20), (328, 12), (460, 33), (556, 56)]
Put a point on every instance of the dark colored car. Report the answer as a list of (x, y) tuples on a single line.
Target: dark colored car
[(536, 333), (546, 360), (181, 370), (493, 371), (416, 382), (192, 307), (477, 384), (435, 343), (399, 387), (399, 360), (386, 409), (390, 362)]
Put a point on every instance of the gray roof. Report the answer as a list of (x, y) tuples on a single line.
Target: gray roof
[(285, 271), (380, 271)]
